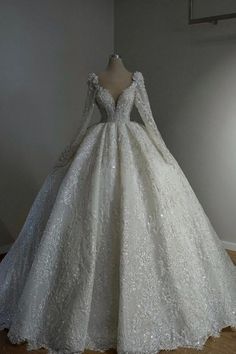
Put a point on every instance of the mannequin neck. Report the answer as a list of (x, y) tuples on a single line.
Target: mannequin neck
[(116, 64)]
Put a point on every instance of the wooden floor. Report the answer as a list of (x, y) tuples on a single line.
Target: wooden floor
[(225, 344), (232, 255)]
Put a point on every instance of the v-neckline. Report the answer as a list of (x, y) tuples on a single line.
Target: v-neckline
[(116, 102)]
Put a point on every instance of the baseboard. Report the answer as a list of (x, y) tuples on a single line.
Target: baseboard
[(229, 245)]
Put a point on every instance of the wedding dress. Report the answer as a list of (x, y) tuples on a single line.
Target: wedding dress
[(116, 251)]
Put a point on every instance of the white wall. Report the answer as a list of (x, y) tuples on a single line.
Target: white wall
[(190, 74), (47, 49)]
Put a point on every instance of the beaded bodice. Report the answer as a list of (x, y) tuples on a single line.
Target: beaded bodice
[(116, 112), (111, 110)]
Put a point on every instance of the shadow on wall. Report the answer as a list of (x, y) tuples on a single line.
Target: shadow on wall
[(21, 154), (6, 238)]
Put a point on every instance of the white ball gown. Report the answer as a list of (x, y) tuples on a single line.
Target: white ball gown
[(116, 251)]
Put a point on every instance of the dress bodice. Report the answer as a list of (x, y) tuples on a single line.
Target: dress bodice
[(110, 110), (134, 95)]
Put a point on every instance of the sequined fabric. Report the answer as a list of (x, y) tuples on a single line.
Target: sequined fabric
[(116, 251)]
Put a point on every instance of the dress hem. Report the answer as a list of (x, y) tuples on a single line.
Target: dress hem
[(197, 344)]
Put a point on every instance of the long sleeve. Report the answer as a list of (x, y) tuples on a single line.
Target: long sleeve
[(141, 101), (67, 154)]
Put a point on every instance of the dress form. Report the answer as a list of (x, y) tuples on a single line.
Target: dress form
[(116, 77)]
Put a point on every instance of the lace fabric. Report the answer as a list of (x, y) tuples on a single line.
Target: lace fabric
[(144, 108), (88, 109), (116, 251), (142, 103)]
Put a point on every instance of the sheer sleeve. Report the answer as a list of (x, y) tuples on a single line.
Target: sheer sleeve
[(141, 101), (67, 154)]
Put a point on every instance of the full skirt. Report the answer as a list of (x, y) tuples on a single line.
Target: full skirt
[(116, 252)]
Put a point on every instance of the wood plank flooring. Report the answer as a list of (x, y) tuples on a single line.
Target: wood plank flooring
[(225, 344)]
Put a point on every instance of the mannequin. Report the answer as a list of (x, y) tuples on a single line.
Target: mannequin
[(116, 77)]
